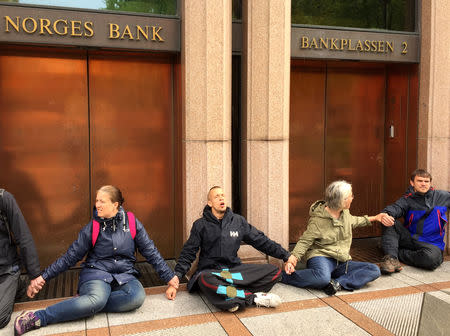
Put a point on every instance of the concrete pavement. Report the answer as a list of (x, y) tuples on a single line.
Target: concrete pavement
[(390, 305)]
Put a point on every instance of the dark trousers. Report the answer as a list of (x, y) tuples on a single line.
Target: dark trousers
[(226, 288), (397, 242), (9, 283)]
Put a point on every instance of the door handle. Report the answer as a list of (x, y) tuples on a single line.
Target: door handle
[(391, 131)]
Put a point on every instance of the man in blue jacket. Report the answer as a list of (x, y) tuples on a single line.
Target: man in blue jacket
[(14, 235), (221, 277), (419, 240)]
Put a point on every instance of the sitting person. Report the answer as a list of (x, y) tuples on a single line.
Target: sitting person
[(326, 245), (419, 241), (221, 277), (15, 241), (108, 280)]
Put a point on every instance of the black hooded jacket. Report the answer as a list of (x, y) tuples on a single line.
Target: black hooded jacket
[(219, 241), (22, 239)]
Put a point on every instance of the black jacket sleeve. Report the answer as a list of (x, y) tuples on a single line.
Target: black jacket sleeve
[(261, 242), (189, 251), (21, 233), (148, 249), (397, 209), (75, 253)]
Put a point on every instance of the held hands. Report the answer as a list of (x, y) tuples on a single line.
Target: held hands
[(35, 286), (171, 291), (174, 282), (385, 219), (289, 267)]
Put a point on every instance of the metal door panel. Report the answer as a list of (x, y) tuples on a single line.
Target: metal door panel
[(306, 144), (132, 137), (44, 142), (355, 136)]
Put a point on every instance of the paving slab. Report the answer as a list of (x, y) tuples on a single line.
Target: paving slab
[(206, 329), (97, 321), (442, 273), (289, 293), (157, 307), (322, 321)]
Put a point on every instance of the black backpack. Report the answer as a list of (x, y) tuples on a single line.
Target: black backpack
[(5, 220)]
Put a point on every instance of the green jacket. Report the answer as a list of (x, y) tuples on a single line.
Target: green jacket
[(326, 236)]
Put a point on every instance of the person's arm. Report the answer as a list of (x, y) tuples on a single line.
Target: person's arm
[(189, 251), (382, 217), (187, 257), (21, 233), (148, 249), (306, 240), (261, 242), (75, 253), (397, 209)]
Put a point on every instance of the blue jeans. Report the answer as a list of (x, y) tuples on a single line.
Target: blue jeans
[(320, 270), (95, 296)]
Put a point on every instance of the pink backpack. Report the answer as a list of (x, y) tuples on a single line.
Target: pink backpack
[(131, 225)]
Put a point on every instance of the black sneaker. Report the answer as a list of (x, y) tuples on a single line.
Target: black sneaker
[(332, 287)]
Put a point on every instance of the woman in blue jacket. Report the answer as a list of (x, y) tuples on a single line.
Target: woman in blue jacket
[(108, 280)]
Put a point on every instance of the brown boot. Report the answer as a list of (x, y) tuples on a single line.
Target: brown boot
[(390, 265)]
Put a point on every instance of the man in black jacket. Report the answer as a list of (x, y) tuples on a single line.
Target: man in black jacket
[(419, 240), (221, 277), (14, 234)]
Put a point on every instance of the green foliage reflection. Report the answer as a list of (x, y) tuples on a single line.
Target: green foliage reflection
[(373, 14), (167, 7)]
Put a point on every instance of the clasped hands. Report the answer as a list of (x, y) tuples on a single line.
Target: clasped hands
[(289, 266), (172, 287), (35, 286), (385, 219)]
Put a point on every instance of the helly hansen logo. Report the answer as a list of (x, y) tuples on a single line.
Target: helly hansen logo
[(234, 234)]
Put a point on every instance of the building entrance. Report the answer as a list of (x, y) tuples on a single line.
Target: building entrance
[(352, 121), (71, 121)]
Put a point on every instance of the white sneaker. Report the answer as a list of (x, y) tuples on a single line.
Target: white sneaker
[(233, 309), (267, 300)]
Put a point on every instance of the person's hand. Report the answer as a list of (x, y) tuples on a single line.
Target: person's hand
[(385, 219), (35, 286), (289, 268), (171, 293), (293, 260), (174, 282), (38, 282)]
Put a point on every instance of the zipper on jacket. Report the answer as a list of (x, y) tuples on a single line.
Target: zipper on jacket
[(441, 227), (410, 220)]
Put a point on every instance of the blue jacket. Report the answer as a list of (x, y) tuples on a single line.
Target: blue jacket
[(219, 241), (412, 206), (113, 256)]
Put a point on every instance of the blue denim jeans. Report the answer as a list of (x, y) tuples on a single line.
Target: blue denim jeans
[(320, 270), (95, 296)]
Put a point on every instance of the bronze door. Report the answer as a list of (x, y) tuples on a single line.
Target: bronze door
[(44, 143), (355, 135), (71, 122), (131, 137), (340, 120), (307, 140)]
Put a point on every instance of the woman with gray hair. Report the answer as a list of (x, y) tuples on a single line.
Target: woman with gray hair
[(326, 245)]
